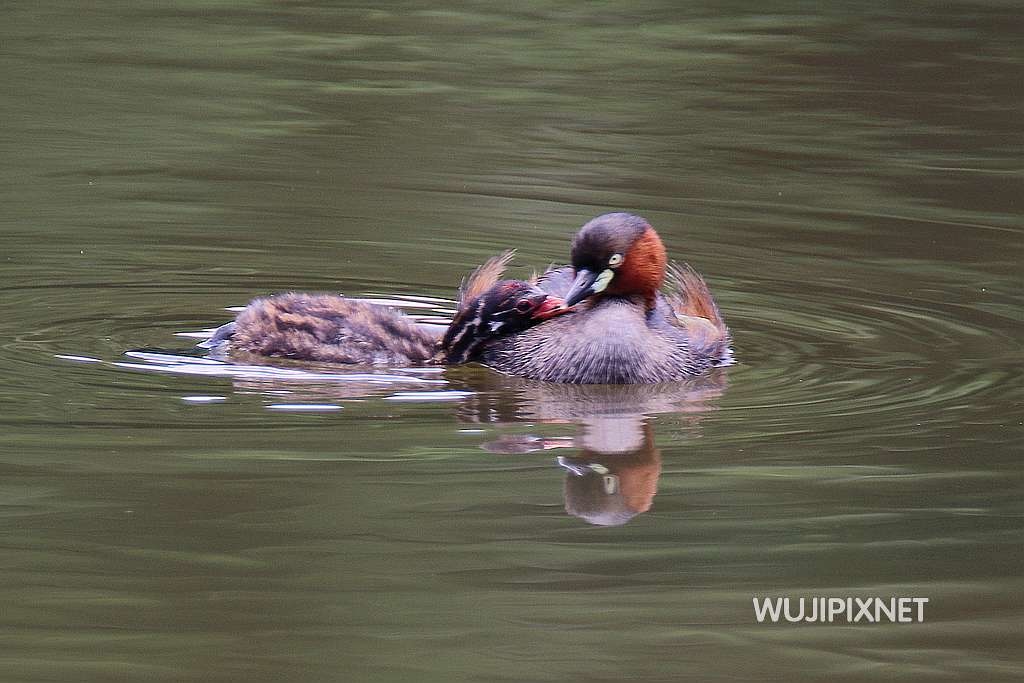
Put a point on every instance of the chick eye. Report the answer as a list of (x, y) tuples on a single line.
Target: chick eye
[(524, 306), (615, 260)]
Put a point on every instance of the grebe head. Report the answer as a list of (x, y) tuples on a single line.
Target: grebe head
[(509, 306), (617, 254)]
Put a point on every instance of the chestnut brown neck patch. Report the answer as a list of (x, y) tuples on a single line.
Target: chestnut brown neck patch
[(643, 270)]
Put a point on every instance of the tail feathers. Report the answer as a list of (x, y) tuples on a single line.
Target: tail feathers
[(484, 277), (689, 296), (696, 311)]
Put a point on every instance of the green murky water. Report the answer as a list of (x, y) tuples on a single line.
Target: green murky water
[(848, 178)]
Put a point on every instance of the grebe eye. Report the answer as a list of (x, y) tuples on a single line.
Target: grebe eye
[(616, 259), (524, 306)]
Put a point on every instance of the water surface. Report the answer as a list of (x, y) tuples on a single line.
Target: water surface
[(847, 178)]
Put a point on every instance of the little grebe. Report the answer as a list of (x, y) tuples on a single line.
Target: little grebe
[(333, 329), (624, 330)]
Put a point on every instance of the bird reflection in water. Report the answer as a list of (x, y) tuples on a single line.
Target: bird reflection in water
[(612, 478), (603, 485), (614, 475)]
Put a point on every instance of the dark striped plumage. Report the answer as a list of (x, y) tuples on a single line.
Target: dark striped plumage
[(333, 329)]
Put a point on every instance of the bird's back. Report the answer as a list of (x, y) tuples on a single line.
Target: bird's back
[(610, 342), (617, 340), (333, 329)]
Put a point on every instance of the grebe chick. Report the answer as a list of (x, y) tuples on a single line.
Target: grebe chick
[(334, 329)]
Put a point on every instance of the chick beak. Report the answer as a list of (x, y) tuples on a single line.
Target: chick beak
[(548, 307)]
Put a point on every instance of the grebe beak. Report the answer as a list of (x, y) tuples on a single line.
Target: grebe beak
[(549, 308), (587, 284)]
